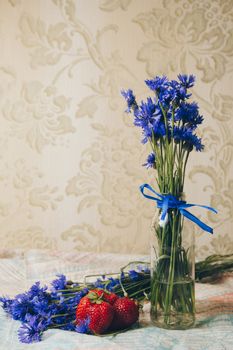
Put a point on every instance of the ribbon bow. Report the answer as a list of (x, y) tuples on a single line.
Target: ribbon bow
[(168, 201)]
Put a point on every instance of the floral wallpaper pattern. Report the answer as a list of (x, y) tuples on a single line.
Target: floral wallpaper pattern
[(70, 157)]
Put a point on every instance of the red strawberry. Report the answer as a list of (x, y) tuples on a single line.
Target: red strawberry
[(125, 313), (101, 316), (93, 308)]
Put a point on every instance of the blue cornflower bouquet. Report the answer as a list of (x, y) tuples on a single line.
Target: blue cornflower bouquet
[(169, 123)]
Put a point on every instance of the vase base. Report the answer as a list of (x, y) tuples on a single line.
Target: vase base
[(173, 321)]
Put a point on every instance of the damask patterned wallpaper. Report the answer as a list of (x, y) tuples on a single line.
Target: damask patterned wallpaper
[(70, 158)]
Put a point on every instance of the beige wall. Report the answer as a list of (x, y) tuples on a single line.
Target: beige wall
[(70, 158)]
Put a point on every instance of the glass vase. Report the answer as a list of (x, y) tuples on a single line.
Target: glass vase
[(172, 272)]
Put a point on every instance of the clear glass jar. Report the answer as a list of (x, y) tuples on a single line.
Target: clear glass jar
[(172, 272)]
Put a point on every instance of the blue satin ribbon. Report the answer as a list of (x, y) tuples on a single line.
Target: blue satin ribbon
[(168, 201)]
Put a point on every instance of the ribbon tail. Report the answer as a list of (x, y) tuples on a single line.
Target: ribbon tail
[(200, 206), (164, 209), (164, 216), (197, 221)]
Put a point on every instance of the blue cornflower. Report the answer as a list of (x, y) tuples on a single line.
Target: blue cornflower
[(44, 307), (148, 116), (6, 304), (112, 283), (150, 162), (130, 99), (180, 92), (35, 301), (196, 142), (147, 109), (166, 90), (39, 293), (59, 283), (133, 275), (167, 95), (186, 80), (188, 113), (190, 140), (157, 129), (146, 113), (21, 307), (32, 330), (28, 334), (157, 83), (83, 327), (41, 301), (36, 290)]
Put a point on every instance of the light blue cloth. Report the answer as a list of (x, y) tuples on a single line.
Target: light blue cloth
[(215, 334), (213, 331)]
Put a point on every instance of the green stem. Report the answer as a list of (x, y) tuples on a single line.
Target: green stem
[(169, 292)]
